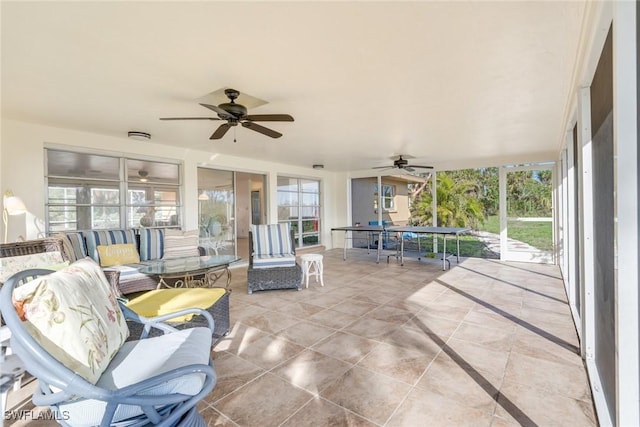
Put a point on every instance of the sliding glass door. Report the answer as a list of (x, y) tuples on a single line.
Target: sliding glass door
[(216, 206)]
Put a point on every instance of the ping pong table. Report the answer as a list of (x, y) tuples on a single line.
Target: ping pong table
[(444, 231), (369, 229), (401, 230)]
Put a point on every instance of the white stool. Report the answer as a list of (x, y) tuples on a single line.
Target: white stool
[(311, 265)]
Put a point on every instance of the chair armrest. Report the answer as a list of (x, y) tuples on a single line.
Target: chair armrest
[(158, 321)]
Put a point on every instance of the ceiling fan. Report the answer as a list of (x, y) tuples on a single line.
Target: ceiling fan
[(400, 163), (236, 114)]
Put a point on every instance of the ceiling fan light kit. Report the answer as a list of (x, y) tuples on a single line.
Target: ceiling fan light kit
[(140, 136), (236, 113)]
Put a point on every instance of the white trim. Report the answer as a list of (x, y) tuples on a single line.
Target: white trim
[(625, 140), (502, 185), (604, 419), (573, 174), (587, 255)]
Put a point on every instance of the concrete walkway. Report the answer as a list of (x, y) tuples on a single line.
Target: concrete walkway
[(492, 241)]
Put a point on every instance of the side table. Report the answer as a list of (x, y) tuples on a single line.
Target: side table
[(312, 265)]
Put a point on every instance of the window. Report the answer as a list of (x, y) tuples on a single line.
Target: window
[(299, 205), (91, 191), (388, 197)]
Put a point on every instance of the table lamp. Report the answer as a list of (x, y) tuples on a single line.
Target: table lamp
[(12, 205)]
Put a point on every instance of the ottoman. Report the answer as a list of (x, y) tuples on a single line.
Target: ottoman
[(165, 301)]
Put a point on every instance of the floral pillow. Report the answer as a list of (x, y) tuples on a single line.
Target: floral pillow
[(74, 315)]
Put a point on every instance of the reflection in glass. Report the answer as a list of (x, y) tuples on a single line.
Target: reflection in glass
[(216, 205)]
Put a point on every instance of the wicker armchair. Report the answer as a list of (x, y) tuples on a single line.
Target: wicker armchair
[(271, 267)]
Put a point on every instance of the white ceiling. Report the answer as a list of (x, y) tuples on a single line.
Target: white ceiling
[(465, 82)]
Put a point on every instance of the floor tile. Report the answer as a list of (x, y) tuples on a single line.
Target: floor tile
[(322, 413), (428, 408), (233, 372), (557, 378), (270, 351), (368, 394), (267, 401), (534, 407), (468, 387), (347, 347), (311, 370), (306, 333), (401, 363)]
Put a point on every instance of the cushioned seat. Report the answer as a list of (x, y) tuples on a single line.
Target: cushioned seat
[(70, 331), (272, 259), (163, 301), (278, 260), (160, 354)]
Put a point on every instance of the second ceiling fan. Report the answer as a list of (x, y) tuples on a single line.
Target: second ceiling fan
[(400, 163), (235, 114)]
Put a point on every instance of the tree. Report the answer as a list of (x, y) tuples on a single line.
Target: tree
[(458, 204)]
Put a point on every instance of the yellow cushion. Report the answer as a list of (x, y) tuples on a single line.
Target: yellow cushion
[(166, 301), (118, 254)]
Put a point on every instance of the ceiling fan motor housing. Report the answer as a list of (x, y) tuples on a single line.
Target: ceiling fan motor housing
[(401, 163), (234, 109)]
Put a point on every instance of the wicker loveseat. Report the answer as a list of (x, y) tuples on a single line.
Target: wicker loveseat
[(272, 259), (149, 243)]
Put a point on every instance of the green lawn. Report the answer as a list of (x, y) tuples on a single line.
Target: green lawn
[(470, 246), (537, 234)]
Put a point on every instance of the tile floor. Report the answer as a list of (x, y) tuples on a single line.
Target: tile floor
[(483, 344)]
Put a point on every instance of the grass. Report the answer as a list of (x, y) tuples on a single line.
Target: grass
[(470, 246), (538, 234)]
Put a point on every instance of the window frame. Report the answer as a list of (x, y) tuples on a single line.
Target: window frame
[(123, 184), (300, 207)]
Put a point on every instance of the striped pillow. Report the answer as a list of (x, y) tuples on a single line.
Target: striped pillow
[(271, 239), (151, 244), (178, 244), (77, 243), (106, 237)]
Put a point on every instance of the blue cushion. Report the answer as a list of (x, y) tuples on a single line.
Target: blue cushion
[(271, 239), (151, 244), (106, 237)]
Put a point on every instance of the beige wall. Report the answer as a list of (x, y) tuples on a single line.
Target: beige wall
[(362, 194), (22, 171)]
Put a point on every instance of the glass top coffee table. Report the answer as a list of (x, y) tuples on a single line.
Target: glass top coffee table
[(191, 272)]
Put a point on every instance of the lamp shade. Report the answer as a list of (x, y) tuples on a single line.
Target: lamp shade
[(14, 205)]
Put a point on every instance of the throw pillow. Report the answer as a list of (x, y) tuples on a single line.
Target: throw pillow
[(179, 244), (118, 254), (74, 315)]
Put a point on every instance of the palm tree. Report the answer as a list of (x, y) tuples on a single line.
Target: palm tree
[(458, 204)]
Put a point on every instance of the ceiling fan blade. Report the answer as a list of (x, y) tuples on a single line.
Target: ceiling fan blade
[(269, 118), (409, 169), (222, 113), (382, 167), (189, 118), (222, 129), (418, 166), (261, 129)]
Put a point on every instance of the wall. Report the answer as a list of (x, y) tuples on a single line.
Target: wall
[(22, 170)]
